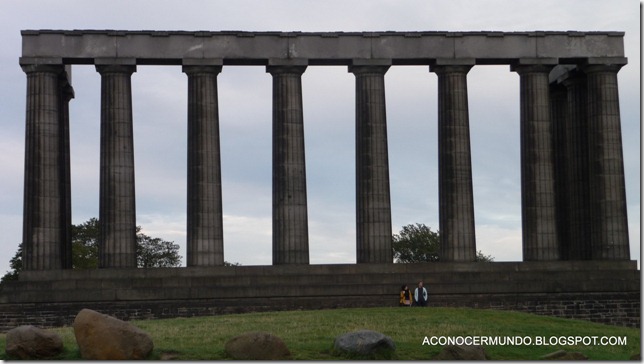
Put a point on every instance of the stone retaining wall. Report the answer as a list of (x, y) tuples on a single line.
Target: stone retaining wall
[(607, 292)]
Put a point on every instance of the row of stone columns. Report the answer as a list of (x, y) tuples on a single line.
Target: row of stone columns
[(592, 209), (573, 199)]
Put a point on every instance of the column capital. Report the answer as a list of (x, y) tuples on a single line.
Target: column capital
[(67, 92), (599, 67), (442, 69), (531, 68), (533, 65), (366, 66), (458, 65), (285, 69), (196, 69), (115, 68), (49, 68), (573, 78), (362, 70)]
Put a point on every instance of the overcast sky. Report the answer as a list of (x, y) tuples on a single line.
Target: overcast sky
[(160, 112)]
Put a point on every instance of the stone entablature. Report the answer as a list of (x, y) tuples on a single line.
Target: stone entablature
[(318, 48)]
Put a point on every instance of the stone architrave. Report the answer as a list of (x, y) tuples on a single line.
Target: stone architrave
[(540, 241), (456, 196), (117, 206), (290, 216), (373, 201), (205, 233)]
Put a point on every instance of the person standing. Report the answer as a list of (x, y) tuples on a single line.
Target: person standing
[(420, 295), (405, 296)]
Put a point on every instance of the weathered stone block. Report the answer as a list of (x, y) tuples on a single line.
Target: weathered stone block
[(29, 343), (257, 346), (462, 352), (102, 337), (365, 343)]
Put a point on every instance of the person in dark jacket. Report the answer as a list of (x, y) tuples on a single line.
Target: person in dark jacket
[(405, 296)]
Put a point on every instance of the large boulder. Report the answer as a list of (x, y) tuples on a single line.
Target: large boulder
[(364, 343), (257, 346), (462, 352), (103, 337), (30, 342)]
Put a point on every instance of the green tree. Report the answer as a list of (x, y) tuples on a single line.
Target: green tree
[(418, 243), (150, 252), (85, 244), (156, 253), (16, 267), (480, 257)]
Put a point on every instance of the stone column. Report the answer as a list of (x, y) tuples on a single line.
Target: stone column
[(456, 198), (290, 216), (205, 233), (44, 202), (117, 210), (537, 165), (66, 94), (561, 151), (576, 174), (373, 203), (609, 224)]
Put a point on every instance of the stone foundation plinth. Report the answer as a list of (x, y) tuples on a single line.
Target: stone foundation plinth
[(601, 291)]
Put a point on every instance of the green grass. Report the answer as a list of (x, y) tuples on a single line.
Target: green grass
[(310, 334)]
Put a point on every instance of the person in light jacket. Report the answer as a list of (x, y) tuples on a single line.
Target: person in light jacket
[(420, 295)]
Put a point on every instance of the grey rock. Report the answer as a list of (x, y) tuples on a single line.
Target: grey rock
[(30, 342), (257, 346), (364, 342), (103, 337), (462, 352)]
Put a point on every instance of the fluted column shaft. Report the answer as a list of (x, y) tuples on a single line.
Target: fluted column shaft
[(290, 216), (373, 202), (537, 166), (205, 233), (66, 94), (609, 224), (561, 151), (456, 199), (117, 210), (44, 201), (576, 176)]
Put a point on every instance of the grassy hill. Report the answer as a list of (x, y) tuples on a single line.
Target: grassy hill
[(310, 334)]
